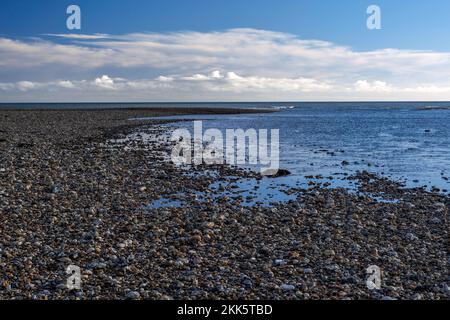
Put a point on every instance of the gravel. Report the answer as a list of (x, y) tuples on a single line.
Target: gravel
[(74, 190)]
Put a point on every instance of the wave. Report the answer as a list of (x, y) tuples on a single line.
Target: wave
[(282, 107), (433, 108)]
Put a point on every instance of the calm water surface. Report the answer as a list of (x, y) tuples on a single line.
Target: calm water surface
[(398, 140)]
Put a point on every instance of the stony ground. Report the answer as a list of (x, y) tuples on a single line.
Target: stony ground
[(74, 192)]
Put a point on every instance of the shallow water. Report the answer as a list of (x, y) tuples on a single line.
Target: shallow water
[(240, 191), (397, 140)]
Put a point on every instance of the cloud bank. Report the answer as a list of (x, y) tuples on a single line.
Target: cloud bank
[(236, 64)]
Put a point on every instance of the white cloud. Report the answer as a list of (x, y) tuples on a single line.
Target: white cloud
[(235, 82), (230, 64), (375, 86), (104, 82), (164, 79), (17, 55), (25, 85), (216, 74), (227, 86), (197, 77), (95, 36), (7, 86), (66, 84)]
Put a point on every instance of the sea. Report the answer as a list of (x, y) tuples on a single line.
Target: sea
[(404, 141)]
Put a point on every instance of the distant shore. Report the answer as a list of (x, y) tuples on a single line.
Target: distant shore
[(75, 189)]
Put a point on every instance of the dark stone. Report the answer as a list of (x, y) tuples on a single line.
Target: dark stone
[(25, 145), (276, 173)]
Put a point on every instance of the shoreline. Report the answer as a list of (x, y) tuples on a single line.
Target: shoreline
[(159, 110), (69, 197)]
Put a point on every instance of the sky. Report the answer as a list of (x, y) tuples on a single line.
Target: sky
[(217, 50)]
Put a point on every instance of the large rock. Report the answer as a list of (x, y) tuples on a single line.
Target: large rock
[(273, 173)]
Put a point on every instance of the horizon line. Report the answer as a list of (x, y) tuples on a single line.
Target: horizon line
[(227, 102)]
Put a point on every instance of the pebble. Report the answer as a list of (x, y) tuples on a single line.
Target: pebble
[(133, 295), (279, 262), (388, 298), (287, 287), (75, 195), (329, 253)]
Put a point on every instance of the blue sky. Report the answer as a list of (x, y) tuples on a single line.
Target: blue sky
[(183, 50), (413, 24)]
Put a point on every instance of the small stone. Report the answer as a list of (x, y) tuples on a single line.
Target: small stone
[(61, 286), (196, 238), (411, 237), (248, 283), (418, 296), (209, 225), (279, 262), (435, 220), (329, 253), (330, 203), (133, 295), (287, 287)]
